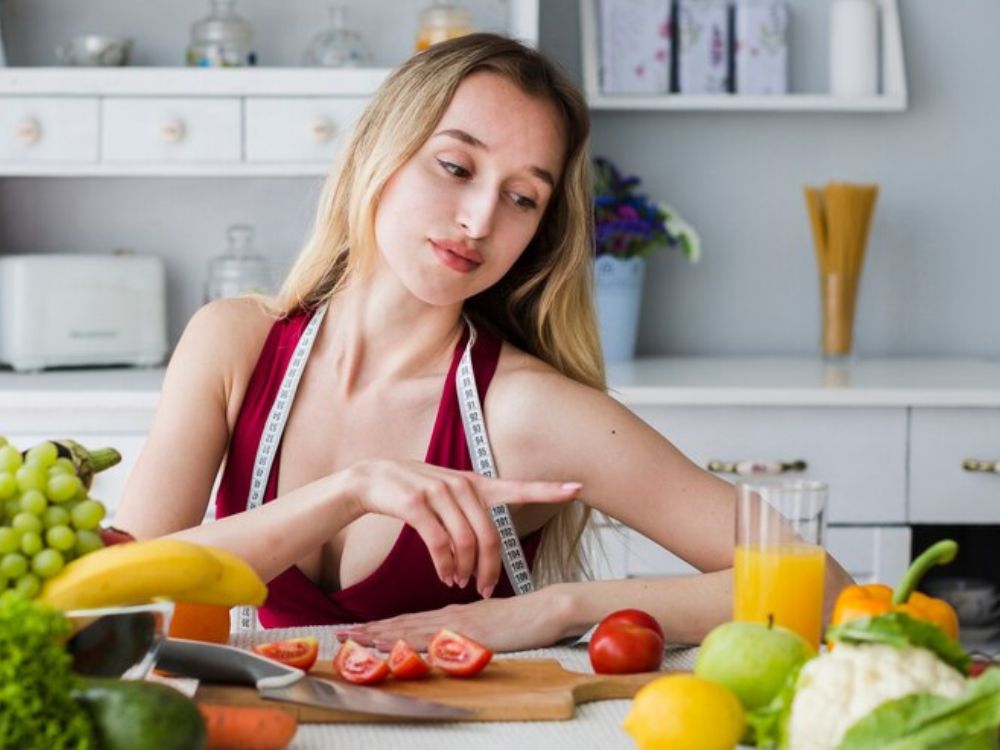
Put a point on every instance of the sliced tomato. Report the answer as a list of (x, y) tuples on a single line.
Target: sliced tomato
[(359, 665), (457, 654), (295, 652), (405, 663)]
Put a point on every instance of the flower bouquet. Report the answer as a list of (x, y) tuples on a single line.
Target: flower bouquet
[(628, 224), (628, 227)]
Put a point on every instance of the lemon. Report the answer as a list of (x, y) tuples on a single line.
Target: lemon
[(684, 712)]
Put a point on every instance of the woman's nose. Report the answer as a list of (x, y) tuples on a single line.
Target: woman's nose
[(476, 212)]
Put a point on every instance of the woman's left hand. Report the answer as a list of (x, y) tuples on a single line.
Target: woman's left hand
[(509, 624)]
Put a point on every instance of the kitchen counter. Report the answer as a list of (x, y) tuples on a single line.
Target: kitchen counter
[(682, 381), (806, 381)]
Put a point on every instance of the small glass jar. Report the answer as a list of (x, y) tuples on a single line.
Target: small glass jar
[(337, 46), (240, 270), (222, 39), (442, 21)]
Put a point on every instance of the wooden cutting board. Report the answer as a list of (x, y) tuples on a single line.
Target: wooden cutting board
[(507, 690)]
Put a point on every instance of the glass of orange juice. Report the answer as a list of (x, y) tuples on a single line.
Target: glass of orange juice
[(779, 560)]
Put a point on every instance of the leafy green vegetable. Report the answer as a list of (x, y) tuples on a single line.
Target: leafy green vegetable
[(36, 710), (899, 629), (766, 725), (929, 722)]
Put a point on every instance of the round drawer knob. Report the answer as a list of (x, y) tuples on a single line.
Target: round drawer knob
[(756, 468), (29, 131), (173, 131), (322, 130)]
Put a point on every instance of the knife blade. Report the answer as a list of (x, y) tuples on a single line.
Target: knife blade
[(215, 663)]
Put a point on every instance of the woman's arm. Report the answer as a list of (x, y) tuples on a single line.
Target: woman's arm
[(169, 489)]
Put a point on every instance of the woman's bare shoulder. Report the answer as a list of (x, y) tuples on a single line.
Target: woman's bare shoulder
[(225, 336), (526, 390)]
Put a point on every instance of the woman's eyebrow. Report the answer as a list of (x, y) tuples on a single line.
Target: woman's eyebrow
[(471, 140)]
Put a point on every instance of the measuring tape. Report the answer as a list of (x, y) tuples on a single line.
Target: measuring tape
[(475, 432), (482, 461), (246, 617)]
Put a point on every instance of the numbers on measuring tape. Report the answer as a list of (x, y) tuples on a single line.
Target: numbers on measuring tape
[(246, 617), (481, 456)]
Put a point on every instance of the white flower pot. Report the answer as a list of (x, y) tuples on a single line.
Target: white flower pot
[(619, 295)]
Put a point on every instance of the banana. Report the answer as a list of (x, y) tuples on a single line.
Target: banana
[(238, 585), (132, 573), (87, 462)]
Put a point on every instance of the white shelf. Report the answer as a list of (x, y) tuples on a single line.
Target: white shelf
[(893, 98), (181, 81), (738, 103)]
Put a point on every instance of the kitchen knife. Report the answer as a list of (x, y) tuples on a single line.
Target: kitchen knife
[(215, 663)]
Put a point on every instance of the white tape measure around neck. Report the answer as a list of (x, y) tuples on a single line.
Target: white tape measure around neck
[(475, 432), (481, 455)]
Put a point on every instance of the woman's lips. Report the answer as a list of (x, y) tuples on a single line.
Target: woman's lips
[(457, 259)]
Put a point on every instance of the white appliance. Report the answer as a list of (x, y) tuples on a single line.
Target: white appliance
[(76, 310)]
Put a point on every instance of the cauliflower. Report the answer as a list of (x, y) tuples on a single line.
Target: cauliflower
[(840, 687)]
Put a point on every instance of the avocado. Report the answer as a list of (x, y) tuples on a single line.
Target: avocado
[(139, 715)]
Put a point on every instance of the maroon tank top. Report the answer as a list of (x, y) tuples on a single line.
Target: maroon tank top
[(406, 580)]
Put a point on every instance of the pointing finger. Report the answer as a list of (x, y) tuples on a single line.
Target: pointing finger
[(511, 492)]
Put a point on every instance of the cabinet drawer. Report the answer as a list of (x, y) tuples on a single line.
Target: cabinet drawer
[(37, 129), (171, 130), (867, 553), (941, 491), (300, 129), (861, 453)]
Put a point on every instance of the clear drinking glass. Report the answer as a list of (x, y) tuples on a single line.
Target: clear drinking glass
[(779, 561)]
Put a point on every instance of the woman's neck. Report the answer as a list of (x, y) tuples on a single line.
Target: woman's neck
[(376, 332)]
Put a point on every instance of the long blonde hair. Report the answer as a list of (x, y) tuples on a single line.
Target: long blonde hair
[(544, 304)]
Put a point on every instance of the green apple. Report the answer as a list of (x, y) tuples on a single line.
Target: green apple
[(751, 659)]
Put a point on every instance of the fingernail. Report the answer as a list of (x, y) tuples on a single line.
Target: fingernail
[(488, 591), (572, 487), (464, 582)]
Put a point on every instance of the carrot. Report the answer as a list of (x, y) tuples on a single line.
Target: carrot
[(247, 727)]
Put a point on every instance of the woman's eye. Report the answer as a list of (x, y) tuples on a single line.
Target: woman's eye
[(454, 169), (522, 202)]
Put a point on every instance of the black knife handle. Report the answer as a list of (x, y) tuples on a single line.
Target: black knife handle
[(213, 662)]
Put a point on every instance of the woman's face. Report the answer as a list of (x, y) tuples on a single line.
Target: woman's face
[(455, 217)]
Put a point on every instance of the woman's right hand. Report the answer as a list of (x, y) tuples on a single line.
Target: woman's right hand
[(450, 511)]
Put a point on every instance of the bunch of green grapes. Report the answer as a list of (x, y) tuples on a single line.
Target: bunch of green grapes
[(47, 517)]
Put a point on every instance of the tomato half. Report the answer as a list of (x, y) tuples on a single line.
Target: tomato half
[(359, 665), (622, 648), (457, 655), (295, 652), (635, 617), (405, 663)]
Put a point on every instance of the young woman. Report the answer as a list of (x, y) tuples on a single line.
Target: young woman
[(449, 269)]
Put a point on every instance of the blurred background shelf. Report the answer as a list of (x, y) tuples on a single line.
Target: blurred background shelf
[(809, 36)]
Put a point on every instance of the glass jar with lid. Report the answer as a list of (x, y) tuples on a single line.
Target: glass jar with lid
[(240, 270), (442, 20), (222, 39), (338, 46)]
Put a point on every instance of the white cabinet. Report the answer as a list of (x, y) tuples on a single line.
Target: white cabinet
[(299, 129), (861, 453), (867, 553), (166, 121), (35, 129), (171, 130), (942, 489)]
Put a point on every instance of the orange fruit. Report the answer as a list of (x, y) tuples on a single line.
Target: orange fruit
[(200, 622)]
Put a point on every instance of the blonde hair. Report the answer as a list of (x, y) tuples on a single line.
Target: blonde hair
[(544, 304)]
